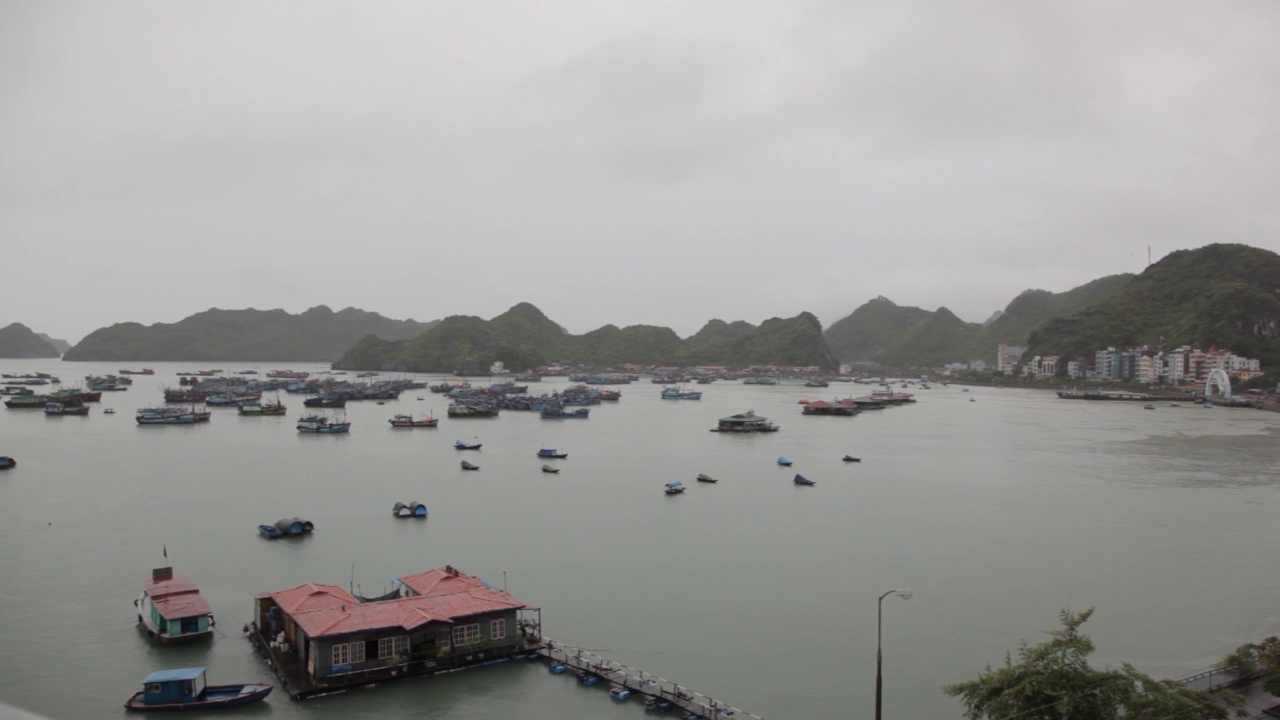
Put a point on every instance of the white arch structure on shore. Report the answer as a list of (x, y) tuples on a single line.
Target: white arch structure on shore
[(1218, 377)]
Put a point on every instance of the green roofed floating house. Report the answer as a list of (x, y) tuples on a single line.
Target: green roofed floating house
[(322, 639), (746, 422)]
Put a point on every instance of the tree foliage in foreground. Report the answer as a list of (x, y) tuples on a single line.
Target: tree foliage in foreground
[(1260, 658), (1054, 681)]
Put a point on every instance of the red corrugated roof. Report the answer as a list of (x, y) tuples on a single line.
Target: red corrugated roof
[(177, 597), (322, 610)]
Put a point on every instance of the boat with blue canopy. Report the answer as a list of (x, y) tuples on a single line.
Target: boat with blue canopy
[(674, 488), (784, 461), (551, 453), (187, 689)]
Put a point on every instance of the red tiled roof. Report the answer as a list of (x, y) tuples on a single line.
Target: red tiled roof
[(177, 597), (322, 610)]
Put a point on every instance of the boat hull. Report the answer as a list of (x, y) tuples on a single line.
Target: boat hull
[(217, 696)]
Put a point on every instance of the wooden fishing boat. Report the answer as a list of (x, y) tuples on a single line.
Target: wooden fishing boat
[(171, 608), (7, 462), (187, 689), (802, 480), (468, 466), (706, 478), (172, 416), (460, 445), (551, 453), (549, 469), (850, 458), (674, 488), (322, 425), (68, 408)]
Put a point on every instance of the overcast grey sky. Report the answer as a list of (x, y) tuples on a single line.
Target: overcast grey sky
[(618, 162)]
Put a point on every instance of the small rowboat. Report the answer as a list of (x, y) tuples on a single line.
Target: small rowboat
[(549, 469), (785, 462), (7, 462), (706, 478), (459, 445), (802, 480), (551, 453), (850, 458), (468, 466), (674, 488)]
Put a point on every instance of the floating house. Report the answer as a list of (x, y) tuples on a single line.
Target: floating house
[(745, 422), (171, 608), (321, 638)]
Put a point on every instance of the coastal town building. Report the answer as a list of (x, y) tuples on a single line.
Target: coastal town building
[(1007, 357)]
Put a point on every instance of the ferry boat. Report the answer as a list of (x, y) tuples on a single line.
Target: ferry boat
[(323, 425), (171, 608), (172, 416), (409, 421)]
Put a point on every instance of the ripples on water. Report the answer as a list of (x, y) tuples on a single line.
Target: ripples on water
[(998, 512)]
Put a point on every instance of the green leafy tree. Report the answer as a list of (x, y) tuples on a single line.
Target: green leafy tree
[(1054, 681)]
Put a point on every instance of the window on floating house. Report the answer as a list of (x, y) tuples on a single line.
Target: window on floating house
[(347, 653), (464, 634), (393, 647), (498, 629)]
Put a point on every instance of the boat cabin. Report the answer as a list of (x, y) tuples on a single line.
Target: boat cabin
[(171, 687), (172, 608)]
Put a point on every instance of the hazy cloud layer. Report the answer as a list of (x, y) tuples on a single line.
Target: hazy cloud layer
[(641, 162)]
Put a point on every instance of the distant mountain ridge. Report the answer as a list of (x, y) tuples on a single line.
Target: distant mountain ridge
[(1224, 295), (524, 338), (319, 334), (61, 345), (19, 341), (882, 332)]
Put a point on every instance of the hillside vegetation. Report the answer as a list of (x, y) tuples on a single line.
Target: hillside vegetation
[(882, 332), (319, 334), (18, 341), (1223, 295), (524, 338)]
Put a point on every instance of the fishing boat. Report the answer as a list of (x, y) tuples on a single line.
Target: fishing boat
[(462, 445), (409, 421), (784, 461), (549, 469), (618, 692), (551, 453), (472, 411), (850, 458), (468, 466), (706, 478), (323, 425), (171, 608), (802, 480), (414, 509), (143, 371), (670, 393), (109, 411), (587, 678), (673, 488), (69, 408), (1148, 407), (172, 416), (257, 407), (7, 462), (187, 689), (286, 527), (26, 402)]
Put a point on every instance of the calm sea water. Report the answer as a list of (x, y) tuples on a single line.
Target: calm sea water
[(998, 512)]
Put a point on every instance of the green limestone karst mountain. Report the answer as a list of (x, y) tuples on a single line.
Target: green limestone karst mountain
[(880, 331), (318, 334), (18, 341), (523, 338), (1223, 295)]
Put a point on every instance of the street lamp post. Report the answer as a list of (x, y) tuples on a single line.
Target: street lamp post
[(905, 594)]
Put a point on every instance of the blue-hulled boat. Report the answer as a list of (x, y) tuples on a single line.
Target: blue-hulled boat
[(551, 453), (557, 668), (784, 461), (671, 393), (7, 462), (587, 678), (460, 445), (802, 480), (674, 488), (187, 689), (286, 527), (658, 705), (619, 693), (412, 510)]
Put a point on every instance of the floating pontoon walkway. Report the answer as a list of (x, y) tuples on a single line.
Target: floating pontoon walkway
[(640, 682)]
